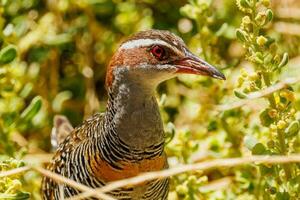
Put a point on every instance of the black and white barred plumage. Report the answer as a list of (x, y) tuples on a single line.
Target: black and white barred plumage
[(97, 136)]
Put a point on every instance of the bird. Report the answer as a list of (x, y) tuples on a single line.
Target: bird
[(128, 138)]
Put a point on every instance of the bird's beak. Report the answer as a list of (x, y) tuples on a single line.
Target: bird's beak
[(191, 64)]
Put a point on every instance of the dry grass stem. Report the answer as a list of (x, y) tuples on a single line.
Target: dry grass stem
[(230, 162), (14, 171), (72, 183), (262, 93)]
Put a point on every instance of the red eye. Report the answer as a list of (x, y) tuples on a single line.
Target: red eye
[(158, 52)]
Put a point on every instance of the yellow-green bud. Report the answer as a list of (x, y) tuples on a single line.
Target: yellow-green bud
[(281, 106), (253, 76), (244, 73), (266, 3), (249, 88), (281, 124), (293, 111), (240, 81), (261, 40), (192, 179), (246, 89), (261, 18), (182, 189), (63, 5), (273, 127), (259, 55), (205, 31), (246, 20)]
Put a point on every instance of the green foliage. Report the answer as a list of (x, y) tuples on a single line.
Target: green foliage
[(7, 54), (10, 187), (280, 115), (53, 56)]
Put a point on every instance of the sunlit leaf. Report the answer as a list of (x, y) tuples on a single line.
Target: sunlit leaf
[(32, 109), (8, 54)]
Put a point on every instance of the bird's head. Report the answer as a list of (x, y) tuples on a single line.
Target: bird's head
[(150, 57)]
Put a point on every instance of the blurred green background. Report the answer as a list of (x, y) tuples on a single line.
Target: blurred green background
[(53, 60)]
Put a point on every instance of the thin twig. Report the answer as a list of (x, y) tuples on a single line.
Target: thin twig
[(184, 168), (14, 171), (262, 93), (72, 183), (57, 178)]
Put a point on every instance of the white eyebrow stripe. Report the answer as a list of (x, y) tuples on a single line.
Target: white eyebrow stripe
[(145, 42)]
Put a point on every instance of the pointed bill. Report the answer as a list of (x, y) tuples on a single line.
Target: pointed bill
[(191, 64)]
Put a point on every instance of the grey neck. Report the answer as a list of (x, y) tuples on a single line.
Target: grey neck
[(133, 112)]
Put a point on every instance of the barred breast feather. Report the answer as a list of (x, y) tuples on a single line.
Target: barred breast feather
[(93, 157)]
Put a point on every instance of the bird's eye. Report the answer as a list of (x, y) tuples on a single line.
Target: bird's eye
[(158, 52)]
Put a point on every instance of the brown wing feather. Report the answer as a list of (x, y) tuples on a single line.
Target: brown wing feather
[(73, 139)]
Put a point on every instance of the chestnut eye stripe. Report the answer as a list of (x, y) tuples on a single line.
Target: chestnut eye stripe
[(148, 42)]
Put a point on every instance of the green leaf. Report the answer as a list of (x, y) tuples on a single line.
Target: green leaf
[(222, 30), (284, 60), (26, 90), (266, 170), (245, 3), (269, 14), (241, 35), (265, 119), (239, 94), (292, 129), (32, 109), (259, 149), (18, 196), (170, 132), (59, 99), (212, 126), (8, 54), (282, 196)]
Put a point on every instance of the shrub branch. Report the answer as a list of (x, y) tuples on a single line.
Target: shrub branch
[(230, 162), (259, 94)]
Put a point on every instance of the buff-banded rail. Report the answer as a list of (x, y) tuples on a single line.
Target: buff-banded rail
[(128, 138)]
